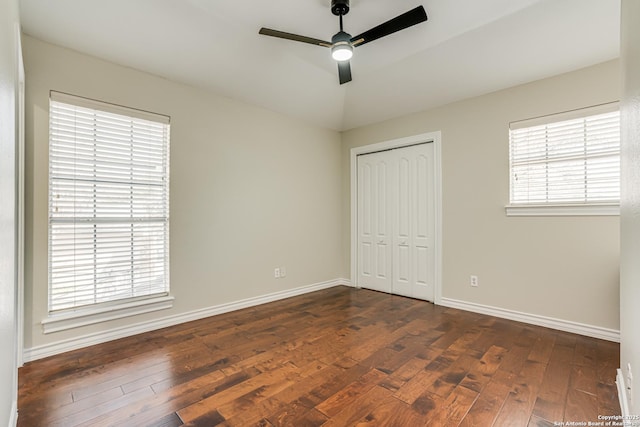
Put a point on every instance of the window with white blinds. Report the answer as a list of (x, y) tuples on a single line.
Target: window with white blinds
[(566, 159), (108, 203)]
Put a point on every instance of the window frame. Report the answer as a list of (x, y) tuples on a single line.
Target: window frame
[(82, 315), (609, 208)]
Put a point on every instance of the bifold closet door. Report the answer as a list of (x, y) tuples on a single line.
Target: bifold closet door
[(396, 224)]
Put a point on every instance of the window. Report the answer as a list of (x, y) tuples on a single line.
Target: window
[(108, 204), (565, 161)]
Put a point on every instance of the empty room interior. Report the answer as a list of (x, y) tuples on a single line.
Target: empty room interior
[(320, 212)]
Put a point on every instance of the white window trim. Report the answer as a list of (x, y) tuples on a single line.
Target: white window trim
[(108, 107), (566, 209), (87, 315), (566, 115), (563, 210), (63, 321)]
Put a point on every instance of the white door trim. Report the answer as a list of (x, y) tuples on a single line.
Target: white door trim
[(21, 129), (431, 137)]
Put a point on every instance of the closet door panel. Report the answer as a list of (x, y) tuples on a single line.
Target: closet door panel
[(374, 240), (423, 222), (402, 186)]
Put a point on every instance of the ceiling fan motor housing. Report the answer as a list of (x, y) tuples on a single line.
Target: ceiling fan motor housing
[(339, 7), (341, 38)]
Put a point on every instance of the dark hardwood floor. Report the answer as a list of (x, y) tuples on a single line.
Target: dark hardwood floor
[(338, 357)]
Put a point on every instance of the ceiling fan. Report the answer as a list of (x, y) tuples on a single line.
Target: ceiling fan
[(342, 43)]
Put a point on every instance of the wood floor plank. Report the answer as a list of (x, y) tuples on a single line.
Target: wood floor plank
[(87, 415), (483, 370), (552, 393), (359, 406), (389, 412), (514, 359), (486, 407), (452, 410), (422, 381), (581, 406), (296, 414), (340, 356), (170, 400), (586, 352), (171, 420), (536, 421), (542, 349), (347, 395), (260, 383), (584, 378), (518, 406), (332, 384)]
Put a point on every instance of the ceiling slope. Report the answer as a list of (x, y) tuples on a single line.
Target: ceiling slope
[(467, 48)]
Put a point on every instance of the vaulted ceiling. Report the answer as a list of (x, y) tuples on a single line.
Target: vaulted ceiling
[(466, 48)]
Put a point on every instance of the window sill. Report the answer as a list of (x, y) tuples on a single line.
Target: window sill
[(563, 210), (92, 315)]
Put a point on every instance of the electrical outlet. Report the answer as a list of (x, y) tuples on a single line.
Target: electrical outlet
[(473, 281), (283, 272), (276, 273)]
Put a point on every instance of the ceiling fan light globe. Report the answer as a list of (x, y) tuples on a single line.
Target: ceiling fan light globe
[(342, 52)]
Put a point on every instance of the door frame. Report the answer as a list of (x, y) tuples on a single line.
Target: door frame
[(431, 137), (20, 200)]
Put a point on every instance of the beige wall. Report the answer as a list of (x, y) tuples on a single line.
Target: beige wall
[(236, 212), (630, 214), (561, 267), (252, 190), (8, 142)]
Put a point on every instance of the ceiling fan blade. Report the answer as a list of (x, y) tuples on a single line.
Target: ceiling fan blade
[(294, 37), (344, 71), (406, 20)]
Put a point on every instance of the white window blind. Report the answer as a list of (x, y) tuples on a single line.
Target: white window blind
[(572, 158), (108, 203)]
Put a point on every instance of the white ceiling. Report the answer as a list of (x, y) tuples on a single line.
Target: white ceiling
[(466, 48)]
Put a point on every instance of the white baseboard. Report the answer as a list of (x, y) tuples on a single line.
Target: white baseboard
[(46, 350), (622, 395), (13, 416), (535, 319)]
